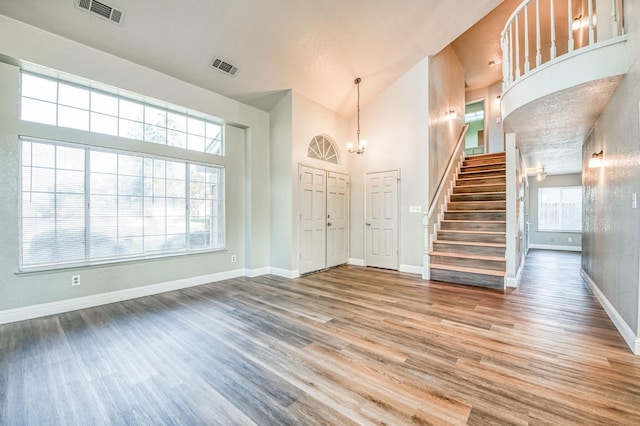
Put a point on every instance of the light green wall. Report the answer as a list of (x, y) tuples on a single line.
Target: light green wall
[(246, 167), (471, 138)]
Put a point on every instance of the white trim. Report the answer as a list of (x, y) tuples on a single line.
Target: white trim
[(52, 308), (285, 273), (252, 273), (411, 269), (555, 247), (627, 333), (515, 282), (356, 262)]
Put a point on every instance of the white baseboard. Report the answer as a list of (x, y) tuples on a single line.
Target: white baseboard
[(356, 262), (515, 281), (284, 273), (51, 308), (627, 333), (252, 273), (411, 269), (555, 247)]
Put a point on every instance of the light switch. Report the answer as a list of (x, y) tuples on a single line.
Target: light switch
[(415, 209), (634, 200)]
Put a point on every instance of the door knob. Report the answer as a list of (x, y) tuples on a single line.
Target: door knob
[(368, 224), (328, 223)]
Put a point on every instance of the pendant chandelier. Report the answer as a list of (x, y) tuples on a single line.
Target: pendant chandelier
[(361, 144)]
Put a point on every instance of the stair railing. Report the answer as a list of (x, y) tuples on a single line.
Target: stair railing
[(431, 219), (531, 33)]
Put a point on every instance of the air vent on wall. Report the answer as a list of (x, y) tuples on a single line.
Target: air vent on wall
[(102, 9), (224, 67)]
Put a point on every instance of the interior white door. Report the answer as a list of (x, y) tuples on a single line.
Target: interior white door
[(381, 220), (337, 219), (313, 219)]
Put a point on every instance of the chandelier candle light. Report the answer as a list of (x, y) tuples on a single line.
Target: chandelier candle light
[(362, 144)]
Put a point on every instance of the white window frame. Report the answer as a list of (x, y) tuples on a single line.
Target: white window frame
[(88, 259), (561, 227)]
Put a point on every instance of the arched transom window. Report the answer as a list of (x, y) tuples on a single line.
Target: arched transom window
[(322, 147)]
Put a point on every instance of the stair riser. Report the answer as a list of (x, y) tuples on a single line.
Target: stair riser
[(478, 205), (479, 188), (481, 181), (483, 161), (476, 238), (467, 278), (477, 168), (467, 249), (479, 215), (474, 226), (494, 265), (479, 197), (481, 174)]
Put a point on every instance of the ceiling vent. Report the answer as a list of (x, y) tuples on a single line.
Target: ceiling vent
[(102, 9), (224, 67)]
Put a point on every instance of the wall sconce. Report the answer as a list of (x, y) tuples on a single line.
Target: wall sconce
[(596, 160), (362, 144), (541, 175), (577, 23)]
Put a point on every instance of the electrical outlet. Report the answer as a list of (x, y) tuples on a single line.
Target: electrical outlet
[(569, 239), (75, 280), (234, 258)]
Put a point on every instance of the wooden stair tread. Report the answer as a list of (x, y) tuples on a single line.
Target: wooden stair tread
[(472, 221), (475, 211), (480, 184), (468, 256), (483, 171), (479, 201), (492, 272), (478, 193), (472, 231), (471, 243)]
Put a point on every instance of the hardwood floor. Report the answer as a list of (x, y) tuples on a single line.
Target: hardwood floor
[(342, 347)]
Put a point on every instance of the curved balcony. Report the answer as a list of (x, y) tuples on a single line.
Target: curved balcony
[(541, 34)]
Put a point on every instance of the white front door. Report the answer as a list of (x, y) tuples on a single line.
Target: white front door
[(313, 219), (381, 220), (337, 219)]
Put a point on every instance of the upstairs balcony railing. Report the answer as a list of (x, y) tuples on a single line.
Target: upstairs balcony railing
[(541, 31)]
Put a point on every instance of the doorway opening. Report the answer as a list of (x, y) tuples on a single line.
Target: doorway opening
[(475, 142)]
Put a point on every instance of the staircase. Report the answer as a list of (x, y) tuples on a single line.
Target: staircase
[(471, 241)]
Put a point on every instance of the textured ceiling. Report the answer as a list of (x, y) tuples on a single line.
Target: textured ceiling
[(551, 130), (314, 47)]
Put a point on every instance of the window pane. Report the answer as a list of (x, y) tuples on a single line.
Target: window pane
[(106, 124), (177, 122), (39, 88), (104, 162), (560, 209), (73, 96), (131, 110), (38, 111), (104, 104), (177, 139), (195, 143), (195, 126), (155, 116), (70, 158), (155, 134), (131, 129), (73, 118)]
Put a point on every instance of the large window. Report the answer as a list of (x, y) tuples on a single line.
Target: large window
[(560, 209), (58, 103), (82, 205)]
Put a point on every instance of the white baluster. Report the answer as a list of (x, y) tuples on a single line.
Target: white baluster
[(591, 32), (614, 18), (527, 66), (505, 62), (570, 27), (552, 51), (517, 41), (511, 71), (538, 52)]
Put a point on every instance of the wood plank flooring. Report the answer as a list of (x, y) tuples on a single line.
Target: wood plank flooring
[(342, 347)]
